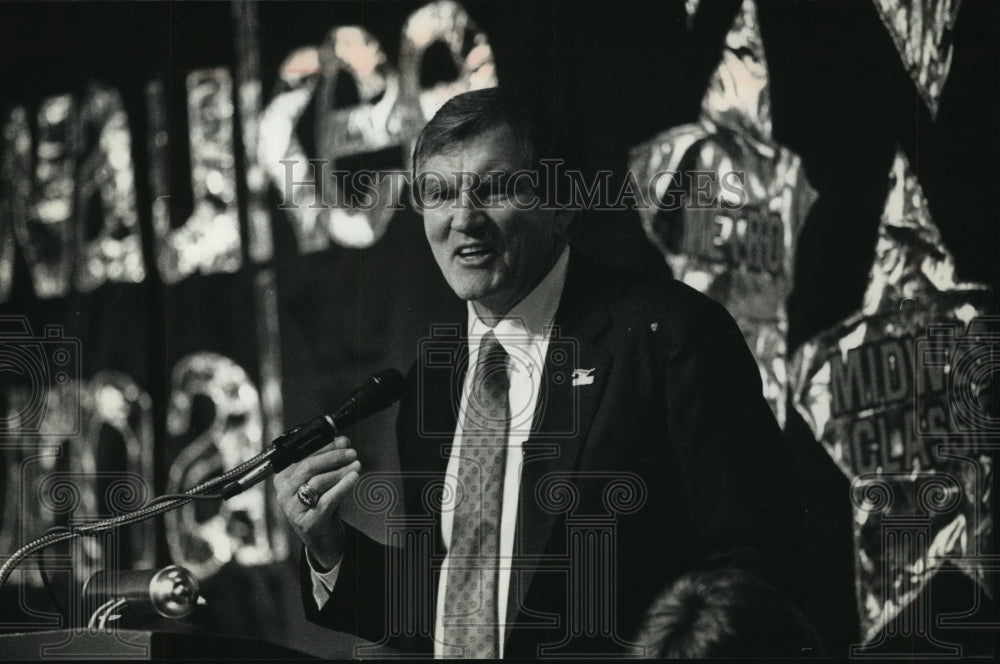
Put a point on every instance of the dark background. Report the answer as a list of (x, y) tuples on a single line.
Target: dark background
[(617, 73)]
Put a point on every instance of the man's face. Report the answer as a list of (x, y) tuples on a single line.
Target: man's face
[(491, 242)]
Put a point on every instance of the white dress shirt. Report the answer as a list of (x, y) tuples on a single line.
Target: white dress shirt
[(524, 333)]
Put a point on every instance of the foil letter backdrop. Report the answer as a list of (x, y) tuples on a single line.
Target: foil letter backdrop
[(106, 171), (734, 239), (393, 109), (54, 475), (446, 22), (15, 174), (242, 529), (38, 204), (922, 33), (209, 241), (898, 396), (83, 155), (691, 8), (49, 226), (83, 166)]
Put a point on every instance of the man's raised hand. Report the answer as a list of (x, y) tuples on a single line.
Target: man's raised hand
[(310, 493)]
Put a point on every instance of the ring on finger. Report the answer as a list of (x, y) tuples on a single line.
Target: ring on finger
[(307, 495)]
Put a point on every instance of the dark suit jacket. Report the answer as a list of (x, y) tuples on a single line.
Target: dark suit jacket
[(668, 461)]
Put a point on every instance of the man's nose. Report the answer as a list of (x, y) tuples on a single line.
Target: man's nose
[(466, 215)]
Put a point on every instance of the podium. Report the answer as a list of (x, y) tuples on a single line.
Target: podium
[(133, 644)]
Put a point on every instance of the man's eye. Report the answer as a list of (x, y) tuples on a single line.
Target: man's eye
[(435, 195), (492, 188)]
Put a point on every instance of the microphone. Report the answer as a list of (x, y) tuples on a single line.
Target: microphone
[(375, 395)]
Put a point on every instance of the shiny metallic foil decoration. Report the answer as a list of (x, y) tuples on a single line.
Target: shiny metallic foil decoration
[(209, 240), (367, 126), (312, 200), (106, 173), (691, 8), (36, 206), (922, 32), (732, 234), (448, 23), (116, 405), (42, 486), (392, 110), (242, 530), (898, 395), (15, 176), (62, 480)]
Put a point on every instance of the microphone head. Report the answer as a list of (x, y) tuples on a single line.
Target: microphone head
[(379, 392), (390, 384), (376, 394)]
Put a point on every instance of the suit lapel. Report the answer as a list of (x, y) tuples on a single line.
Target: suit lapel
[(443, 364), (563, 415), (444, 360)]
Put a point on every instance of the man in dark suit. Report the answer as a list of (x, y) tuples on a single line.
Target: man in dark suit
[(586, 437)]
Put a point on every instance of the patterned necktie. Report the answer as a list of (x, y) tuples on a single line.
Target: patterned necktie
[(471, 627)]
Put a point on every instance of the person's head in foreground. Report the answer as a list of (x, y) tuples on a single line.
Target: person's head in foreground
[(477, 182), (725, 613)]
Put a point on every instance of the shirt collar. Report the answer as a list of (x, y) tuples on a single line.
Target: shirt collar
[(530, 318)]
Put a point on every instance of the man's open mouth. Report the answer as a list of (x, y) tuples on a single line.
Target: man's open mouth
[(474, 252)]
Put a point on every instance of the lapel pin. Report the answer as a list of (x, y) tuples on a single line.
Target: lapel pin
[(582, 377)]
